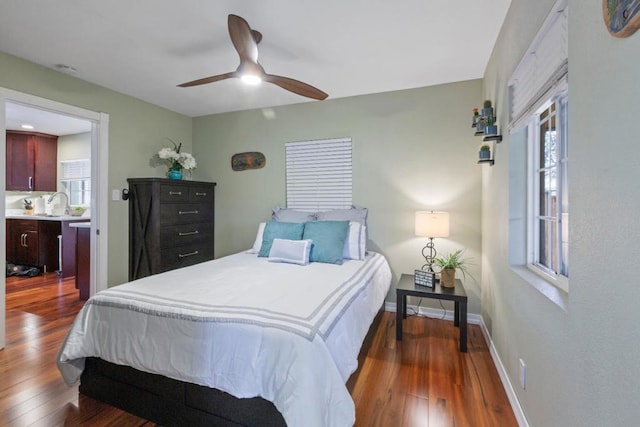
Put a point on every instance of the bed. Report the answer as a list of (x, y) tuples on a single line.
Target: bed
[(240, 340)]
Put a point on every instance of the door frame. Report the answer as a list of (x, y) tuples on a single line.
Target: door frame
[(99, 185)]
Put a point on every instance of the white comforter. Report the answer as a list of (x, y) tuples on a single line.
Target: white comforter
[(290, 334)]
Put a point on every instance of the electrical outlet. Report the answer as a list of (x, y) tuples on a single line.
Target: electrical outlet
[(523, 374), (115, 195)]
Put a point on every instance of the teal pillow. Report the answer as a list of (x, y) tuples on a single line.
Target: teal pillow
[(279, 230), (328, 240)]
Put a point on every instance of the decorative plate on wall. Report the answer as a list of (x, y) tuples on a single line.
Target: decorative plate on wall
[(622, 17), (249, 160)]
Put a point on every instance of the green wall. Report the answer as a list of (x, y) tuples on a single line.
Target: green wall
[(581, 348), (412, 150), (137, 130)]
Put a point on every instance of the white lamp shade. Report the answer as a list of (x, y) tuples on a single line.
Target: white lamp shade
[(432, 224)]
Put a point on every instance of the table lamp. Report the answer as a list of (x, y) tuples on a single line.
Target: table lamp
[(431, 224)]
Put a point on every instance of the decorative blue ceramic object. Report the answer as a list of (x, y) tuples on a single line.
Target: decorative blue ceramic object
[(174, 174)]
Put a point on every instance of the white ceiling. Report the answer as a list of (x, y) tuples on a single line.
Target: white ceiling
[(43, 121), (145, 48)]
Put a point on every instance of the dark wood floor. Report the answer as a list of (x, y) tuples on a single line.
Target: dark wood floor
[(421, 381)]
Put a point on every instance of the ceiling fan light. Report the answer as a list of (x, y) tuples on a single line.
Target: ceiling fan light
[(251, 79)]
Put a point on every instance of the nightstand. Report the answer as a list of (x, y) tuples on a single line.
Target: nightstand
[(406, 286)]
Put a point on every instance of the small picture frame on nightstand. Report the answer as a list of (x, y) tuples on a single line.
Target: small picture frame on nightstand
[(425, 278)]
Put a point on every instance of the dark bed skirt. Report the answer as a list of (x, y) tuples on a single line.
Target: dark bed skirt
[(175, 403)]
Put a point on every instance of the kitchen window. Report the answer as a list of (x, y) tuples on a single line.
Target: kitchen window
[(76, 181)]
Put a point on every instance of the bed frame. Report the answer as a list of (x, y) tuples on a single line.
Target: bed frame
[(170, 402)]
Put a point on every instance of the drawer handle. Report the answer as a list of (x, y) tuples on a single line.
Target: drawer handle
[(201, 194), (175, 193), (189, 254), (187, 212), (188, 233)]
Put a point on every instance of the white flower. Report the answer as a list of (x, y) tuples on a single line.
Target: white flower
[(187, 161), (176, 159), (168, 154)]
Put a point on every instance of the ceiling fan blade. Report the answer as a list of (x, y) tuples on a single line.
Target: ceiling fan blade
[(295, 86), (209, 79), (257, 36), (243, 38)]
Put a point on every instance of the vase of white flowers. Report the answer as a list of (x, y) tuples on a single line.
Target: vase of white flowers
[(176, 160)]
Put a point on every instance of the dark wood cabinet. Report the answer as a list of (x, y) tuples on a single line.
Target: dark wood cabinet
[(83, 261), (69, 235), (31, 161), (171, 224), (22, 242), (32, 242)]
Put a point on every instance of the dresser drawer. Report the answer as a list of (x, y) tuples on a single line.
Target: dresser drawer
[(203, 194), (185, 213), (183, 256), (174, 193), (186, 234)]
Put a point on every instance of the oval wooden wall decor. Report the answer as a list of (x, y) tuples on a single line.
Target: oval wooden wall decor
[(249, 160), (622, 17)]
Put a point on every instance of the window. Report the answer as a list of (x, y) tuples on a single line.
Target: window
[(319, 174), (539, 219), (548, 217), (76, 181)]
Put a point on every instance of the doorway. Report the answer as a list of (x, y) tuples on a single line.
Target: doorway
[(97, 123)]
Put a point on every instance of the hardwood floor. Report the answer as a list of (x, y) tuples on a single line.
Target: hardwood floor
[(421, 381), (424, 380)]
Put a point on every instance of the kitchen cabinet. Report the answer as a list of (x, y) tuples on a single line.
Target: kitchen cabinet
[(34, 243), (83, 261), (69, 247), (31, 161)]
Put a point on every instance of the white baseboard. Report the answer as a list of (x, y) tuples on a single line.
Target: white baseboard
[(508, 387), (436, 313), (475, 319)]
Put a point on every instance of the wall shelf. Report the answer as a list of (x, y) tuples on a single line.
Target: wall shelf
[(490, 161), (497, 138)]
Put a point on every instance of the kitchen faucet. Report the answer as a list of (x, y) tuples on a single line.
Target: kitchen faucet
[(66, 206)]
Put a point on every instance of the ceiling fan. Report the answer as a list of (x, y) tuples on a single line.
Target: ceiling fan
[(245, 40)]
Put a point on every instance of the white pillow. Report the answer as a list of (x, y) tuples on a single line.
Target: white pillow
[(290, 251), (355, 244), (258, 242)]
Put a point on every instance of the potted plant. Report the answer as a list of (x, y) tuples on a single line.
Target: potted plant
[(491, 128), (487, 109), (485, 152), (176, 160), (481, 124), (449, 264)]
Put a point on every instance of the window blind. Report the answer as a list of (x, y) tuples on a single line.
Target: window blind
[(319, 174), (76, 169), (543, 69)]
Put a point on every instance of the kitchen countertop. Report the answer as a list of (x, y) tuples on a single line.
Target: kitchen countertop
[(80, 224), (48, 218)]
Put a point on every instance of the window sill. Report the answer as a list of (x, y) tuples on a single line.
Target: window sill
[(552, 293)]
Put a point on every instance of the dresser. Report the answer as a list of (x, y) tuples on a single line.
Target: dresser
[(171, 224)]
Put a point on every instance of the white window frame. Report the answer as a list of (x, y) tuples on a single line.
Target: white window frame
[(540, 78), (558, 278), (81, 171)]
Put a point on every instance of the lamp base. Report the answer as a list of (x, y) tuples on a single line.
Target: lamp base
[(429, 258)]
